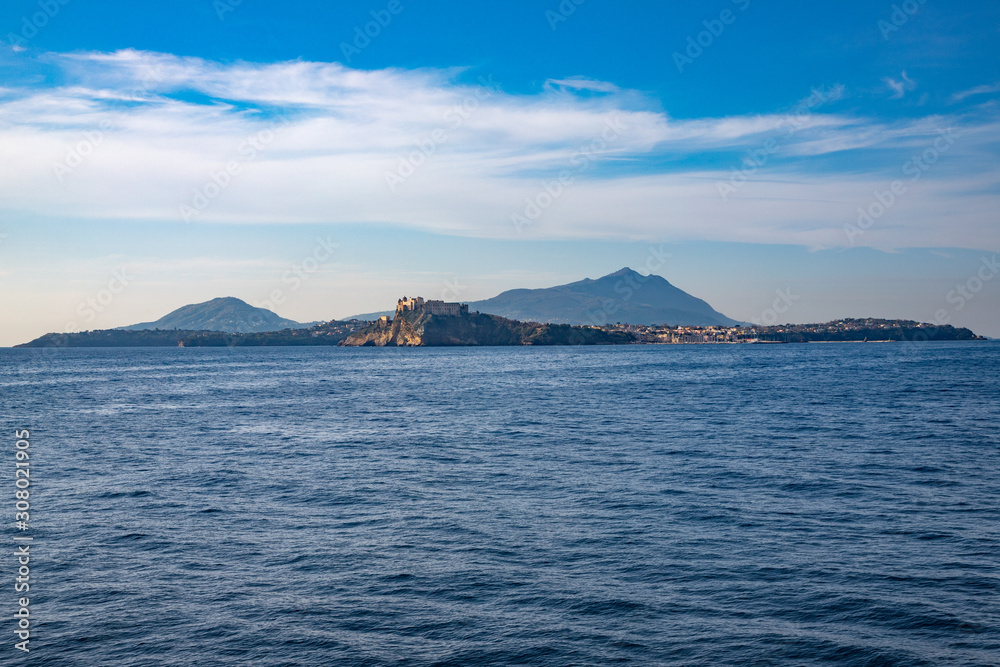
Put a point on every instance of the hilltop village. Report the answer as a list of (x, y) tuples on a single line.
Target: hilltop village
[(870, 330)]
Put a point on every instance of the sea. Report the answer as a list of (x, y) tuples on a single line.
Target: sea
[(645, 505)]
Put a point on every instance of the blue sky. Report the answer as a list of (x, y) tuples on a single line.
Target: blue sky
[(846, 151)]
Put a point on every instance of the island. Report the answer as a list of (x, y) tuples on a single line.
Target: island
[(429, 323)]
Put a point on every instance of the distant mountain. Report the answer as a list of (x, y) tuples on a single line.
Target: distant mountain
[(227, 314), (623, 296), (369, 317)]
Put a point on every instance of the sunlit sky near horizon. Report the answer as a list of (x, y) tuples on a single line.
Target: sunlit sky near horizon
[(846, 152)]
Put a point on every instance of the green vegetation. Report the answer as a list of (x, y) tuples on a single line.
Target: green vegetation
[(112, 338), (328, 333)]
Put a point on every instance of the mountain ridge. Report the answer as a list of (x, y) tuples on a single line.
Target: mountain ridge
[(622, 296)]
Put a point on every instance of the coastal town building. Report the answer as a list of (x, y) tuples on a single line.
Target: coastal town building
[(431, 307)]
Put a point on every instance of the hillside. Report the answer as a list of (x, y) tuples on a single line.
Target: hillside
[(622, 296), (326, 333), (226, 314)]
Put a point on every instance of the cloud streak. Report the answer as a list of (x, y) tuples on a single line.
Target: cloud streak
[(978, 90)]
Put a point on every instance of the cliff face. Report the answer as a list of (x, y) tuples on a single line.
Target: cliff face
[(420, 329), (400, 332)]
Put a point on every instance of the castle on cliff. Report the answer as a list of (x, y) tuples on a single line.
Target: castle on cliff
[(431, 307)]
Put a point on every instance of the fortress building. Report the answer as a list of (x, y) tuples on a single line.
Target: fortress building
[(431, 307)]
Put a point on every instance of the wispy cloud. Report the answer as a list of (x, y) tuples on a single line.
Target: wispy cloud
[(157, 127), (580, 83), (899, 88), (978, 90)]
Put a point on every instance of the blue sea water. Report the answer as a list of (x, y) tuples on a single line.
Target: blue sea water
[(653, 505)]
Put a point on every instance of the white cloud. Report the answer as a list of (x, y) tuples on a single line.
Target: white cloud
[(901, 87), (978, 90), (156, 128)]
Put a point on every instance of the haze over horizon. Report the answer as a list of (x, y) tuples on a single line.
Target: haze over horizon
[(155, 157)]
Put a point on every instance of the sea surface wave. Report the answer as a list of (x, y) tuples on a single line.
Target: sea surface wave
[(653, 505)]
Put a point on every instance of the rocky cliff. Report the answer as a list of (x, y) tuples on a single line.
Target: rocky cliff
[(422, 329)]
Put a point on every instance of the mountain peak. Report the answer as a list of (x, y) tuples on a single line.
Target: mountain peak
[(624, 272), (623, 296)]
